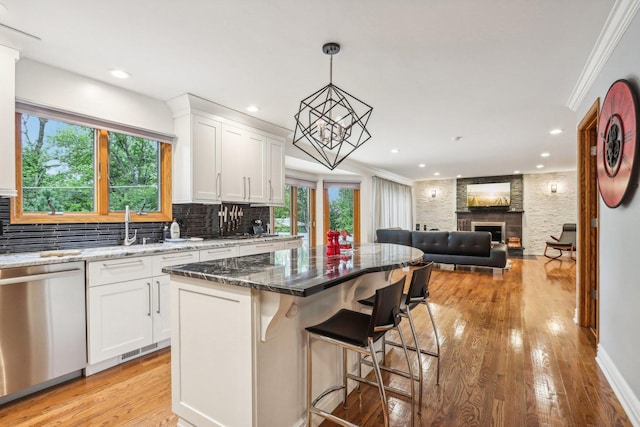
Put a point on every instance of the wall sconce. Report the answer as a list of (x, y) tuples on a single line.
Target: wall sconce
[(554, 188), (433, 193)]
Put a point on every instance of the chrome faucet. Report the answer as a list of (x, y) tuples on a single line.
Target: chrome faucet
[(127, 218)]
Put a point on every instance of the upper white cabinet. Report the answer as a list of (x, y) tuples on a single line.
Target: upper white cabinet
[(196, 160), (243, 165), (8, 58), (275, 171), (222, 155)]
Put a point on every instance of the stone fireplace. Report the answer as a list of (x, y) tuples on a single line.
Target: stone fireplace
[(507, 221), (497, 229)]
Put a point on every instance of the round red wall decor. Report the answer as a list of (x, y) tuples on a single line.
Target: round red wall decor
[(617, 141)]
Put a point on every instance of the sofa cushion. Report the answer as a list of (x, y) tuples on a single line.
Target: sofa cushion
[(431, 242), (399, 237), (469, 243)]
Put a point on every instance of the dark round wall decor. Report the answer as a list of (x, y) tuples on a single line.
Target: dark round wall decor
[(617, 140)]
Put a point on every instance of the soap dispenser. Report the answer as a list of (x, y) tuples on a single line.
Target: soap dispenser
[(175, 229)]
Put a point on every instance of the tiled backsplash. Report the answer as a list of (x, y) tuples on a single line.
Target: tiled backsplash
[(196, 220)]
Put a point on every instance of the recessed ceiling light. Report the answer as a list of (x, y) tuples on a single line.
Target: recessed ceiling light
[(556, 131), (253, 108), (539, 166), (422, 165), (436, 173), (516, 172), (458, 176), (545, 154), (395, 151), (119, 74)]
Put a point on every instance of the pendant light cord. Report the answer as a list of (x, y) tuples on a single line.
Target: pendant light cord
[(331, 69)]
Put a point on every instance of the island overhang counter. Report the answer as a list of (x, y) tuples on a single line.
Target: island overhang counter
[(238, 339)]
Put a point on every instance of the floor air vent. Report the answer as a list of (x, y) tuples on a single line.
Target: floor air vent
[(138, 352), (149, 347), (130, 354)]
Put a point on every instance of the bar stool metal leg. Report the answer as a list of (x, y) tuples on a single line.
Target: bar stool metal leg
[(411, 377), (309, 380), (437, 354), (344, 377), (383, 395), (419, 356)]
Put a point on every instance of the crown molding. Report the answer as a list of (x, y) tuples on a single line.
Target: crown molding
[(618, 21)]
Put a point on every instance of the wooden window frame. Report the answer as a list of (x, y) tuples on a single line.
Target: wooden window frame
[(101, 174)]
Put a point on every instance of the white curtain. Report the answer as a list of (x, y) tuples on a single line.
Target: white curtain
[(392, 205)]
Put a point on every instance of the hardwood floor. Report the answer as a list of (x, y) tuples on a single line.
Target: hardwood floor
[(137, 393), (511, 356)]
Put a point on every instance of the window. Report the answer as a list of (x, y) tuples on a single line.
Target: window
[(296, 217), (342, 208), (70, 171), (392, 203), (57, 165), (134, 172)]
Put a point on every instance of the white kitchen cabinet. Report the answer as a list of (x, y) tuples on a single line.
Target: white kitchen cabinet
[(8, 58), (218, 253), (119, 318), (243, 165), (176, 258), (119, 270), (259, 248), (196, 160), (292, 244), (128, 307), (160, 291), (221, 155), (161, 306), (275, 171)]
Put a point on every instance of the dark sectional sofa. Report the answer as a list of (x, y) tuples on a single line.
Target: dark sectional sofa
[(451, 247)]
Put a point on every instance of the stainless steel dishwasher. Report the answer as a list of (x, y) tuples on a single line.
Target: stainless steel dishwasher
[(42, 327)]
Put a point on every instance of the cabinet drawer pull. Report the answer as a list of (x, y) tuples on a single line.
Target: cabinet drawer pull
[(158, 283), (244, 187), (122, 264), (149, 311), (218, 185), (268, 245), (168, 257), (218, 251)]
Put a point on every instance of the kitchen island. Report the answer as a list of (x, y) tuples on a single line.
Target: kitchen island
[(238, 339)]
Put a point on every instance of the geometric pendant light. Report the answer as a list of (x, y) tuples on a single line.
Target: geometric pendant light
[(331, 124)]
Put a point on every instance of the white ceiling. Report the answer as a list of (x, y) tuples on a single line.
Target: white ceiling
[(498, 73)]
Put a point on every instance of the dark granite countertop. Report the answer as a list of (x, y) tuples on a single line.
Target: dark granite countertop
[(26, 259), (303, 271)]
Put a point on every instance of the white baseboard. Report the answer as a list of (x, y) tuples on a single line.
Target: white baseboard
[(625, 395)]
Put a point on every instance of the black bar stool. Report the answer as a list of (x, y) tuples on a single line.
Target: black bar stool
[(417, 295), (358, 332)]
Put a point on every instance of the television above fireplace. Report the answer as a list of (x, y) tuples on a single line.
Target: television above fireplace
[(489, 195)]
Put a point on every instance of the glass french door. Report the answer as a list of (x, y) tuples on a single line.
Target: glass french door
[(296, 217), (342, 210)]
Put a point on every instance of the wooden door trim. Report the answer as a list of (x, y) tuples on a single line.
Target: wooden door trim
[(588, 208), (325, 211)]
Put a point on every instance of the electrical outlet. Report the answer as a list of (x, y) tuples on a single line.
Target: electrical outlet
[(424, 227), (417, 227)]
